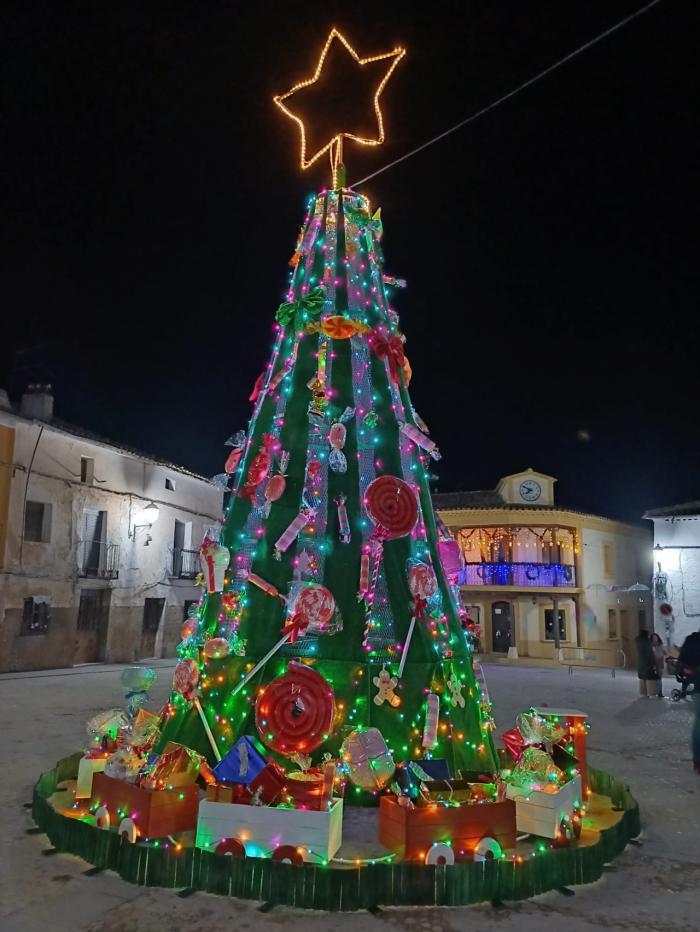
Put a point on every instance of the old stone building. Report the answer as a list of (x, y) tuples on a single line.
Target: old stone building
[(98, 543)]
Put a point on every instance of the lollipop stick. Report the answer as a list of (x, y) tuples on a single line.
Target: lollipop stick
[(203, 717), (261, 663), (406, 645)]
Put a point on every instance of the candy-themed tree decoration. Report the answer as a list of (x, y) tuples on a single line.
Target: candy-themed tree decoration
[(455, 686), (386, 684), (276, 484), (215, 559), (258, 469), (343, 523), (295, 711), (368, 759), (432, 718), (237, 444), (185, 678)]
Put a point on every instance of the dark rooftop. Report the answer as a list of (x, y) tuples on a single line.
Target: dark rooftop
[(674, 511)]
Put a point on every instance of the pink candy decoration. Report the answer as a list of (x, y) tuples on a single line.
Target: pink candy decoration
[(343, 523), (422, 581), (421, 440), (288, 537)]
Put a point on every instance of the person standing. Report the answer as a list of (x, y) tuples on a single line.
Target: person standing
[(657, 645), (690, 657), (646, 665)]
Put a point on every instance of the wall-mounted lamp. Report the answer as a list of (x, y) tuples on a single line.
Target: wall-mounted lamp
[(149, 516)]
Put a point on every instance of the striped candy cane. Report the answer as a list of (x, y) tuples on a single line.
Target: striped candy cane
[(432, 717)]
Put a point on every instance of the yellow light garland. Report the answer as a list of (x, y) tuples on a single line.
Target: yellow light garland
[(335, 145)]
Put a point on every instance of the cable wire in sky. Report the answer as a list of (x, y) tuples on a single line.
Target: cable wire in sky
[(512, 93)]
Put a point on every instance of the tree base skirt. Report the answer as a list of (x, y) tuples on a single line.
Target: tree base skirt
[(315, 887)]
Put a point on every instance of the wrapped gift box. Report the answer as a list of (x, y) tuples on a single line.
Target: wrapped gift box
[(155, 813), (412, 832), (267, 785), (263, 829), (226, 793), (243, 762), (177, 765), (89, 765), (437, 769), (368, 759)]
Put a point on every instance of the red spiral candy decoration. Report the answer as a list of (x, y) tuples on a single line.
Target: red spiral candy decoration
[(295, 712), (391, 503)]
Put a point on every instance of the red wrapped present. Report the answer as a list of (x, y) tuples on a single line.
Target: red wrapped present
[(266, 787)]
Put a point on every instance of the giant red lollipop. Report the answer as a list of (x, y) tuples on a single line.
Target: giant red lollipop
[(295, 712), (391, 503)]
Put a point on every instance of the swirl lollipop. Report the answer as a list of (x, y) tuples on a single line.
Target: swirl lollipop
[(392, 505), (423, 585), (295, 712)]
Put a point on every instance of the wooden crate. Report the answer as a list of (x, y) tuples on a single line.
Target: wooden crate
[(263, 829), (412, 832), (155, 813), (539, 813)]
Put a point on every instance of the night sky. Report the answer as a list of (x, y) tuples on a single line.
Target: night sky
[(153, 199)]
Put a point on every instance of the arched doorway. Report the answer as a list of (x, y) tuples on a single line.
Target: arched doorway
[(501, 627)]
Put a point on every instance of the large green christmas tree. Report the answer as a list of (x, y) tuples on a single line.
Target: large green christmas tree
[(315, 549)]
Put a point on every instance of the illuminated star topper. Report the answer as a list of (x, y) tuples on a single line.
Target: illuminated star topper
[(335, 144)]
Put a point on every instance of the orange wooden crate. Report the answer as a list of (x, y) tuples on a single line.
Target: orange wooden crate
[(411, 832), (156, 813)]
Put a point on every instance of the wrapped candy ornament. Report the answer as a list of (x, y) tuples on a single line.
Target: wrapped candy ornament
[(343, 523), (287, 538), (420, 439), (276, 484), (432, 718), (258, 469), (215, 559), (336, 439), (237, 443)]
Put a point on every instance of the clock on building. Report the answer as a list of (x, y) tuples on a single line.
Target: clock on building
[(530, 490)]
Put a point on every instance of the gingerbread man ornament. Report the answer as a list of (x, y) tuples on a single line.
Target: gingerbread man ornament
[(386, 684)]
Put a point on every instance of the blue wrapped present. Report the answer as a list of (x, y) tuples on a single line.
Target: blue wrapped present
[(437, 769), (242, 763)]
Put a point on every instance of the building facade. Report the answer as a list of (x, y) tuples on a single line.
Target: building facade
[(548, 582), (676, 556), (98, 544)]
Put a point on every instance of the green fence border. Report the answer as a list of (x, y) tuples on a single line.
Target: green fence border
[(313, 887)]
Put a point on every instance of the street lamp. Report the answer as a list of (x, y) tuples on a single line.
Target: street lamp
[(149, 515)]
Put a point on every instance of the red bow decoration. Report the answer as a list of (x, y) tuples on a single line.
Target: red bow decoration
[(297, 626), (419, 606), (390, 349), (514, 743)]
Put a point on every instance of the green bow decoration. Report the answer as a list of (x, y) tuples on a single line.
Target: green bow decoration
[(301, 310), (366, 223)]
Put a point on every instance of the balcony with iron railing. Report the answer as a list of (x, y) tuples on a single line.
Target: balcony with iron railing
[(98, 559), (530, 575), (185, 563)]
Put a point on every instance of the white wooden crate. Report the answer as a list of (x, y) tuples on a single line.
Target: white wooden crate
[(539, 813), (261, 829)]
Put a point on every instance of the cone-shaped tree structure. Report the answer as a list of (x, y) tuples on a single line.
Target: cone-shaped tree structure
[(337, 359)]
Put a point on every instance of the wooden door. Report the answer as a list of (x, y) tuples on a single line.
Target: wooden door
[(501, 625), (152, 614), (93, 621)]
